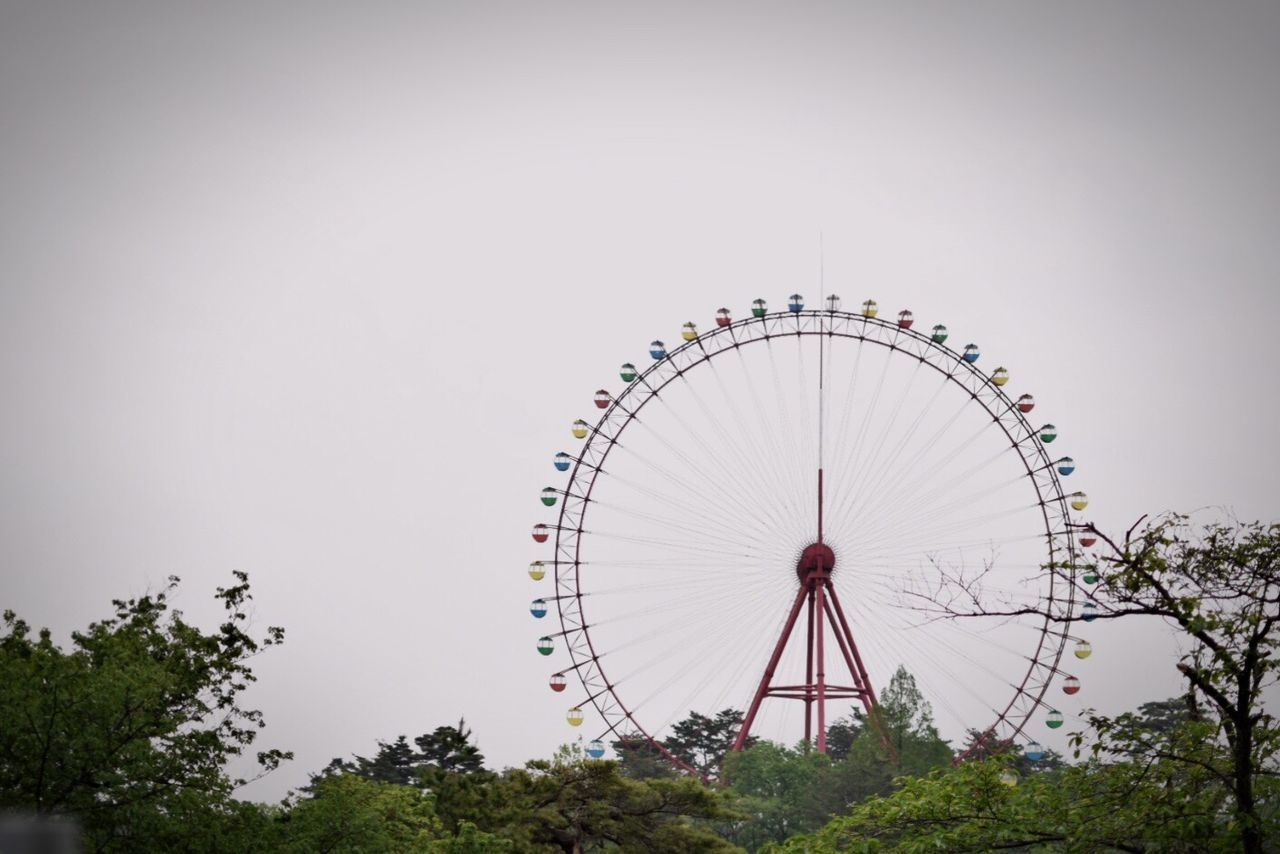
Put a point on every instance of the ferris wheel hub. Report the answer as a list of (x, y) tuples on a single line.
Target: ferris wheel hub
[(816, 557)]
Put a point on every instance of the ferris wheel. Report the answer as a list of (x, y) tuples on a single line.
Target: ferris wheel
[(751, 519)]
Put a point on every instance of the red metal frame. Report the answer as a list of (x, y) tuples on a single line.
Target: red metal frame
[(824, 614)]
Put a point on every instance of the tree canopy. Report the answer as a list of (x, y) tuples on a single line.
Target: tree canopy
[(138, 717), (129, 730)]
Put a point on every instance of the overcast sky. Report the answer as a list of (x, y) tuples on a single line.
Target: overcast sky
[(313, 290)]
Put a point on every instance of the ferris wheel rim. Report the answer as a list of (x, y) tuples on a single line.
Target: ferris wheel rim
[(821, 322)]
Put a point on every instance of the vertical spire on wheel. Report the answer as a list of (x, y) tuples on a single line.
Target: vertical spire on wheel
[(814, 569)]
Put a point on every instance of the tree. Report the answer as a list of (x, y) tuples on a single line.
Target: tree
[(450, 749), (903, 731), (395, 762), (573, 804), (568, 803), (350, 813), (1164, 716), (133, 725), (971, 807), (699, 741), (1219, 585), (702, 741), (789, 791), (638, 759), (445, 750), (781, 791), (841, 735)]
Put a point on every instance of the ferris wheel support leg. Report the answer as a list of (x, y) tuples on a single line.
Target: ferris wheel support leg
[(818, 614), (808, 676), (861, 680), (844, 643), (859, 670), (765, 680)]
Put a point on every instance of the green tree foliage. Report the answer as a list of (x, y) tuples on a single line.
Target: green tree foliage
[(841, 735), (130, 729), (395, 762), (781, 792), (700, 741), (581, 805), (903, 729), (450, 749), (1148, 806), (640, 760), (445, 749), (569, 803), (1164, 716), (1220, 586), (352, 813), (703, 741), (356, 814), (785, 791)]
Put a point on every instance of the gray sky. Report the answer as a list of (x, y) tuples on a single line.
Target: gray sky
[(314, 290)]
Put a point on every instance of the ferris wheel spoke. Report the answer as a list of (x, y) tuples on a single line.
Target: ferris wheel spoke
[(902, 519), (679, 642), (887, 597), (729, 469), (749, 473), (794, 458), (965, 477), (692, 541), (889, 550), (943, 501), (728, 487), (853, 485), (656, 570), (775, 459), (704, 509), (659, 543), (691, 603), (733, 538), (678, 709), (902, 594), (852, 459), (928, 446), (875, 481), (733, 505), (920, 538), (666, 543), (755, 452), (930, 679), (680, 493), (910, 634), (803, 378), (970, 664), (649, 585), (847, 409), (714, 664), (922, 484), (913, 508), (861, 472), (850, 395), (667, 564)]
